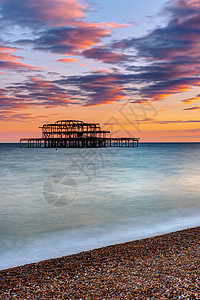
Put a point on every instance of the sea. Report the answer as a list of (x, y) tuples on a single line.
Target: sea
[(55, 202)]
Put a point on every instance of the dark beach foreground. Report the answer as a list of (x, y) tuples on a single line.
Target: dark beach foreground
[(162, 267)]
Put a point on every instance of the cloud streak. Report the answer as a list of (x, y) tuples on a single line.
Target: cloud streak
[(192, 108), (166, 122), (67, 60), (191, 100), (32, 93), (8, 60), (96, 89)]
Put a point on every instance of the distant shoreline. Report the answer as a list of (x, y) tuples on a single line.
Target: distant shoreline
[(165, 265)]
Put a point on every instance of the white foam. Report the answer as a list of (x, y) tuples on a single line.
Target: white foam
[(62, 243)]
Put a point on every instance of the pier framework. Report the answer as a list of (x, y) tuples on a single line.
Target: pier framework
[(76, 134)]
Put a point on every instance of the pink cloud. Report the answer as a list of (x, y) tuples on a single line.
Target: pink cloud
[(70, 40), (188, 4), (113, 25), (8, 60), (57, 12), (105, 90)]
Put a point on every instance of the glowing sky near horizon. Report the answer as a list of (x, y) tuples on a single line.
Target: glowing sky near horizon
[(131, 65)]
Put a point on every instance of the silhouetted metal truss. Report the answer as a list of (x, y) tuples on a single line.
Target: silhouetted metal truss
[(76, 134)]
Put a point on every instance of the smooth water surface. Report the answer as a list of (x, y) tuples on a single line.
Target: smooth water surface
[(58, 202)]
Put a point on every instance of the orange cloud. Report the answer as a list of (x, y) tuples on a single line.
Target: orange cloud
[(191, 100), (67, 60), (101, 71), (164, 95)]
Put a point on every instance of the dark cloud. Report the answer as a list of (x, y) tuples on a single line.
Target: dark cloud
[(32, 93), (192, 108), (170, 54), (67, 40), (99, 88), (192, 130), (34, 13), (105, 54), (170, 121), (87, 90)]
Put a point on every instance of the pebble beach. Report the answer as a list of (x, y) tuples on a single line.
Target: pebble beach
[(161, 267)]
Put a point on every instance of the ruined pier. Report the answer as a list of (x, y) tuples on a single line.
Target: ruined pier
[(76, 134)]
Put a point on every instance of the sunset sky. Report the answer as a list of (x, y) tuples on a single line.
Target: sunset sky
[(131, 65)]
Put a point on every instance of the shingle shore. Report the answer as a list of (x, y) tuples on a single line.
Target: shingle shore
[(162, 267)]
